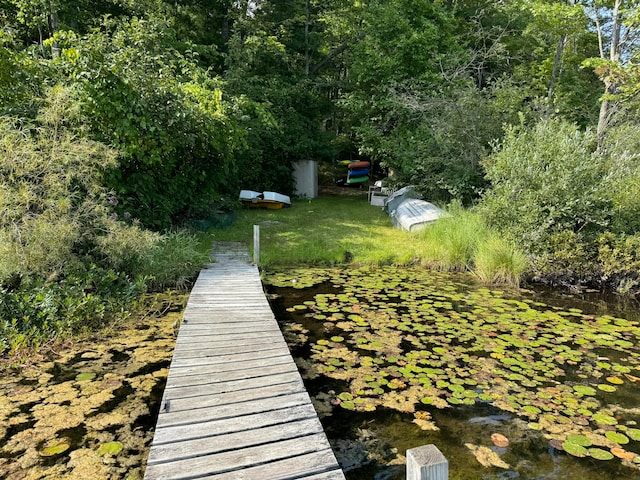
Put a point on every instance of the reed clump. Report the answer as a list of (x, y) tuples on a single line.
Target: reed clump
[(462, 241)]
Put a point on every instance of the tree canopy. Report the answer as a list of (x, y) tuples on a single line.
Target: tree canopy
[(199, 98)]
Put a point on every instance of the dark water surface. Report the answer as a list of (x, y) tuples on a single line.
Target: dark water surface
[(539, 367)]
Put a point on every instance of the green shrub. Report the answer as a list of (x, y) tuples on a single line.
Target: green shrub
[(127, 248), (547, 179), (174, 261), (622, 150), (40, 310), (568, 255), (66, 262), (619, 255), (166, 116), (52, 206)]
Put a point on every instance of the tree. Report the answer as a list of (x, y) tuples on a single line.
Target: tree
[(617, 23), (163, 114), (281, 106)]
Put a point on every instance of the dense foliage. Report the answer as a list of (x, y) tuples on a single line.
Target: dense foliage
[(120, 116), (66, 262), (572, 206)]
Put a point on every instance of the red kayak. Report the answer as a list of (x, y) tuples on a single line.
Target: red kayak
[(353, 165)]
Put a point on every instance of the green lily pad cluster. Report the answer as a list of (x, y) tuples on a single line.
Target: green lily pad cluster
[(413, 339)]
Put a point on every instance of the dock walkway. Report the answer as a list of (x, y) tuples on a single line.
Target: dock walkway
[(234, 406)]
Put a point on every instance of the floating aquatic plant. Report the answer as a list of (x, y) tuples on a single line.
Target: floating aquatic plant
[(414, 340), (55, 447), (110, 448), (58, 418)]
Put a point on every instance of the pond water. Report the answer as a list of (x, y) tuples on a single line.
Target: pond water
[(508, 385)]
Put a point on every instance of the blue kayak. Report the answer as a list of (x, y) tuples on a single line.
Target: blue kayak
[(358, 172)]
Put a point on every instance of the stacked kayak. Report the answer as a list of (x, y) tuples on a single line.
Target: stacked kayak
[(358, 172)]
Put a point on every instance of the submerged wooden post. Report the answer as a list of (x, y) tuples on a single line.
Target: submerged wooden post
[(256, 244), (427, 463)]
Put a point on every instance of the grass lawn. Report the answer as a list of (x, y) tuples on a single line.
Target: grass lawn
[(347, 229), (324, 231)]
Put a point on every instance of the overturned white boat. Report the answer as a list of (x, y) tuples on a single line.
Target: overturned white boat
[(271, 200), (408, 211)]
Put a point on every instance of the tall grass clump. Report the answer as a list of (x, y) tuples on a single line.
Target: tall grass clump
[(497, 261), (451, 242), (462, 241)]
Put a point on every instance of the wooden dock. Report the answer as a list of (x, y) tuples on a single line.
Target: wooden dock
[(234, 406)]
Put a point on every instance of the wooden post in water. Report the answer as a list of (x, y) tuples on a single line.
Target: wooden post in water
[(427, 463), (256, 244)]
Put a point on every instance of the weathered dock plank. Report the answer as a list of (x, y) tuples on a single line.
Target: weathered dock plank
[(234, 406)]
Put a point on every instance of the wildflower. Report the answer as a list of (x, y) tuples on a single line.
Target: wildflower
[(127, 215), (114, 216), (113, 200)]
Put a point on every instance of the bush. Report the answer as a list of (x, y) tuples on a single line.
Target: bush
[(545, 180), (174, 261), (52, 206), (66, 262), (622, 150), (40, 310), (619, 255), (568, 257), (127, 248), (165, 115)]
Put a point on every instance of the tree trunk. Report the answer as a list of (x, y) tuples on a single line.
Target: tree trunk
[(225, 29), (307, 53), (607, 107), (55, 25), (557, 65)]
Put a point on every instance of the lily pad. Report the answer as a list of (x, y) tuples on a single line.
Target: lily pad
[(55, 447), (348, 405), (623, 454), (617, 437), (584, 390), (634, 434), (615, 380), (605, 387), (581, 440), (345, 396), (574, 449), (110, 448), (604, 419), (600, 454), (85, 377)]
